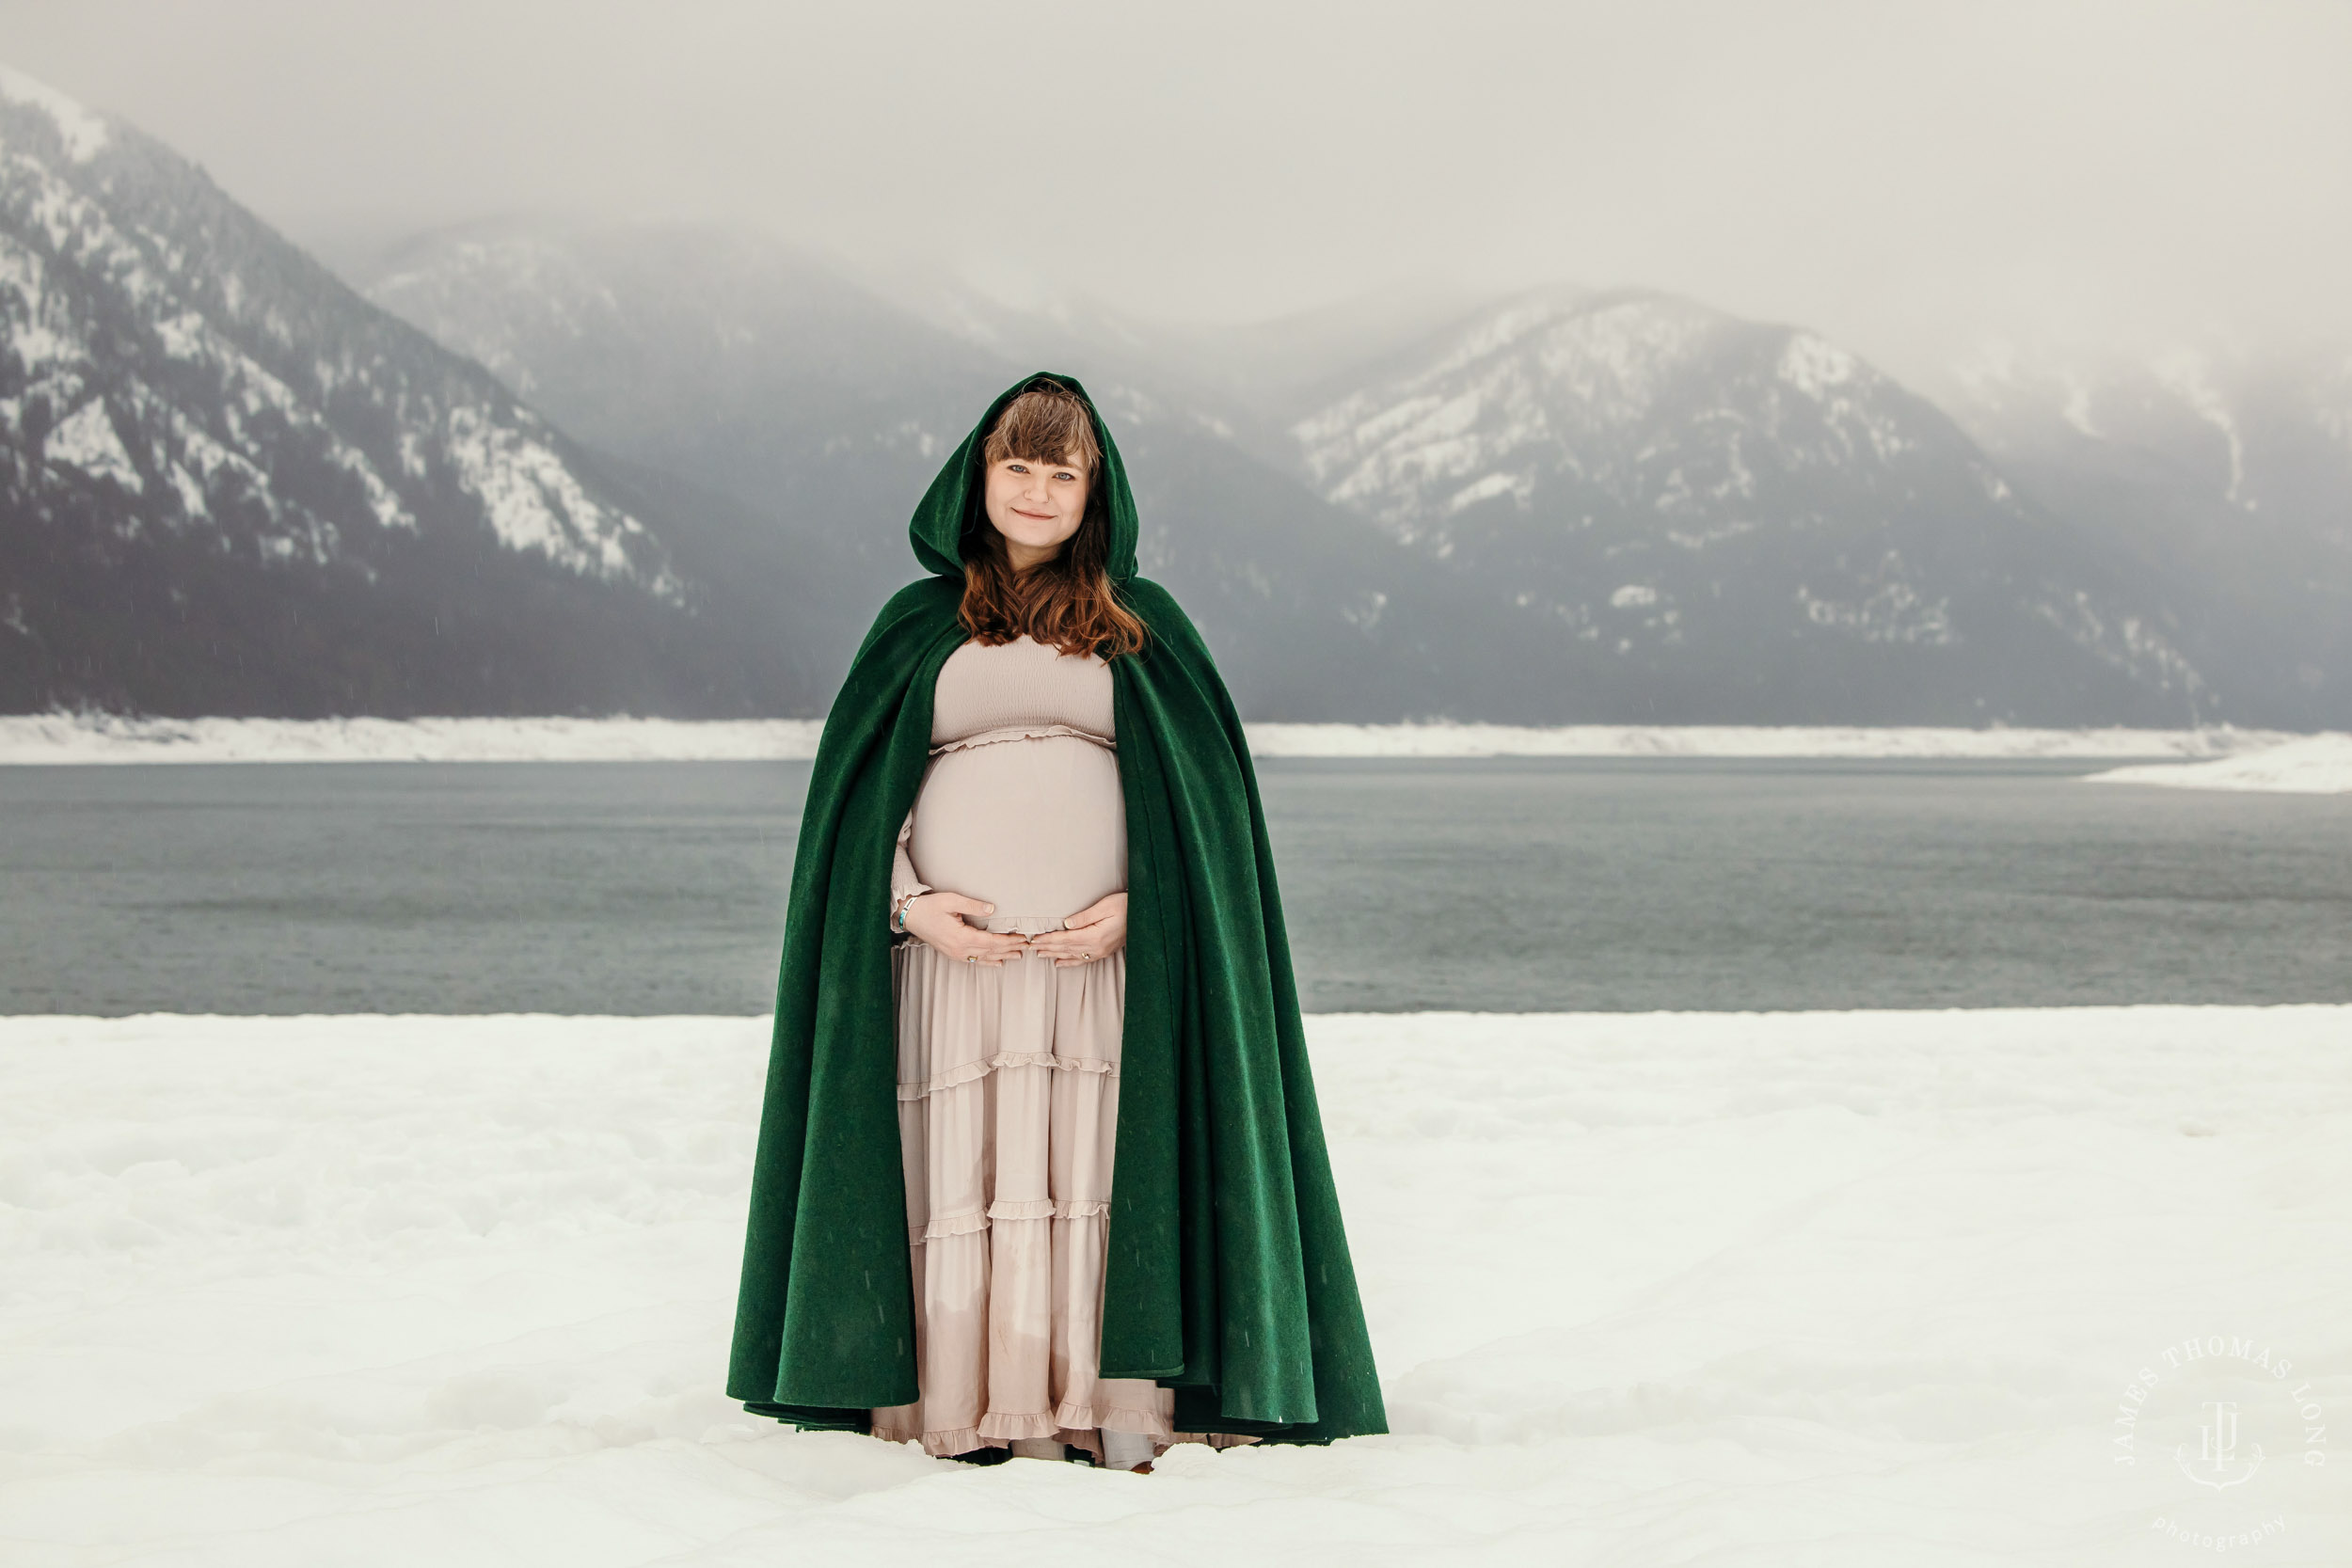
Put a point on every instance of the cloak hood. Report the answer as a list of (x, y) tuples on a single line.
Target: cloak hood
[(1227, 1274), (955, 504)]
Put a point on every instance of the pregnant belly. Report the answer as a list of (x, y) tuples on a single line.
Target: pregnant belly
[(1035, 826)]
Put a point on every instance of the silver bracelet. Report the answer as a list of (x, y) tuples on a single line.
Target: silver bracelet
[(899, 911)]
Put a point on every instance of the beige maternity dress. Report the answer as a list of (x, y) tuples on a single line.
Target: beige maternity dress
[(1009, 1077)]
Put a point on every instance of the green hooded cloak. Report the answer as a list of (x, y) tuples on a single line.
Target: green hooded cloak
[(1228, 1276)]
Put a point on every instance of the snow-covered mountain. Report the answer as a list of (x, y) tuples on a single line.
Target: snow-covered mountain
[(2221, 476), (1611, 506), (228, 483), (725, 361), (550, 468), (1727, 518), (817, 411)]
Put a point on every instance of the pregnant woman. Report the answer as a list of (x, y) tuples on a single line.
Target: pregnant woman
[(1039, 1169)]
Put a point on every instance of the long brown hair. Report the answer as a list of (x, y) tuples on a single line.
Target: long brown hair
[(1068, 602)]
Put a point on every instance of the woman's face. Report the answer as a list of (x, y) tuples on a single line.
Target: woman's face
[(1036, 506)]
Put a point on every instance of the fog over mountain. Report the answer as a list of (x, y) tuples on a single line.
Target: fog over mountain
[(2219, 479), (1904, 180), (586, 466)]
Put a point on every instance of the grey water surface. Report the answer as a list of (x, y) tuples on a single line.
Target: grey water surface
[(1503, 884)]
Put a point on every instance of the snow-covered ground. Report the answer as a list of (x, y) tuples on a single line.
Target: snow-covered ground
[(1860, 1289), (68, 739), (2314, 765)]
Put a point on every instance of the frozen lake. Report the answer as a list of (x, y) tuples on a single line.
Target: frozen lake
[(1512, 884)]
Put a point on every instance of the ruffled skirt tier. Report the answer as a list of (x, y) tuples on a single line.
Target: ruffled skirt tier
[(1008, 1122)]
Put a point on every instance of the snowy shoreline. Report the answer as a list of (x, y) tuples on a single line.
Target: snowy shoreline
[(58, 739), (1644, 1288), (2312, 765)]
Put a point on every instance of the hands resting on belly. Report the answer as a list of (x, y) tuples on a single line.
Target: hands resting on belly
[(1096, 931)]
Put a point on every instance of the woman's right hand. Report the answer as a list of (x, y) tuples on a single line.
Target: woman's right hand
[(937, 920)]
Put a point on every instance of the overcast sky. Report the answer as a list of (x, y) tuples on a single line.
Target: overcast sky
[(1906, 177)]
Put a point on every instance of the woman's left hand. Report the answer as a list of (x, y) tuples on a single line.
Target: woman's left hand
[(1094, 932)]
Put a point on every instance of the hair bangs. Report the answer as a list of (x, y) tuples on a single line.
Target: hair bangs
[(1044, 424)]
